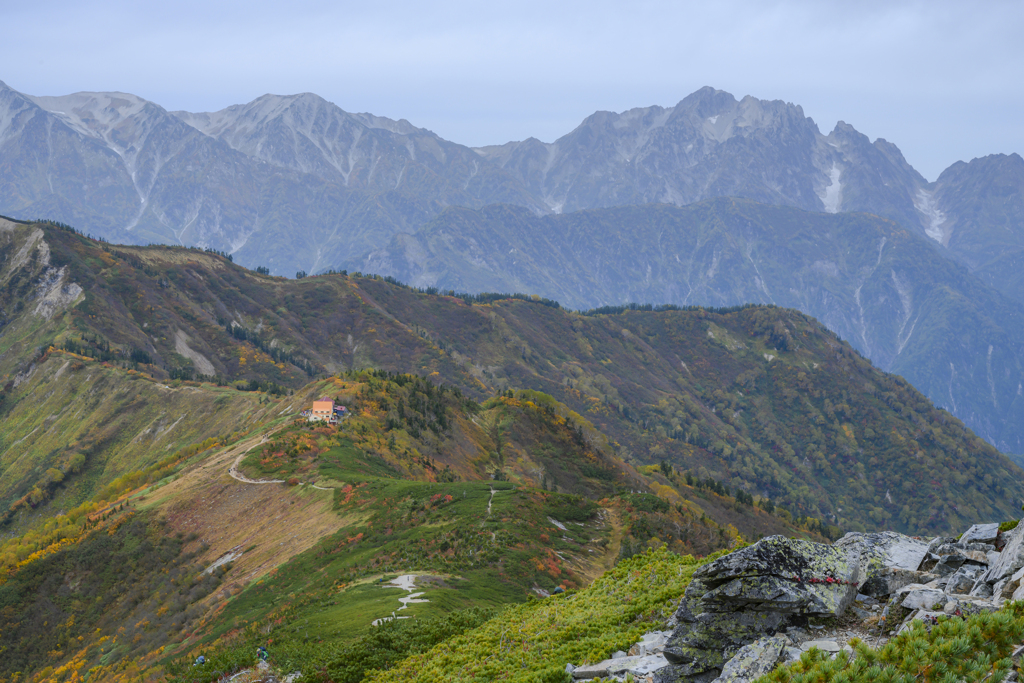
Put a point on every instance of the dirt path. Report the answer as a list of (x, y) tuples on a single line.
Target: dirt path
[(233, 470), (611, 552)]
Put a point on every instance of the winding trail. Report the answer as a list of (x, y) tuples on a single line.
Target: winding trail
[(233, 470)]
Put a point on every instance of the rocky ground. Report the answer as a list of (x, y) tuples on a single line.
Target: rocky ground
[(764, 605)]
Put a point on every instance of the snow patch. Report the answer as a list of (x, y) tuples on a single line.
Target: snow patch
[(406, 582), (713, 119), (925, 203), (832, 196)]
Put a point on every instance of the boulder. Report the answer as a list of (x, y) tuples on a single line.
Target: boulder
[(637, 666), (651, 643), (754, 660), (756, 592), (962, 580), (890, 579), (1010, 559), (940, 540), (981, 533), (714, 637), (783, 575), (982, 588), (680, 674), (884, 550), (830, 646), (922, 598), (948, 564)]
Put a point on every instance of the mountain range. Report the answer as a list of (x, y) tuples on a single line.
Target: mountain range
[(297, 184)]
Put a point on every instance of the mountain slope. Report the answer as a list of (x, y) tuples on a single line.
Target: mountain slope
[(288, 183), (976, 212), (885, 289), (306, 133), (762, 398)]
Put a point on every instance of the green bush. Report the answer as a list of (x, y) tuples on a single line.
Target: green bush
[(973, 649), (1009, 524), (534, 641)]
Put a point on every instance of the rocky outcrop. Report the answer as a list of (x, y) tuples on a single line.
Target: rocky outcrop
[(762, 606), (754, 592)]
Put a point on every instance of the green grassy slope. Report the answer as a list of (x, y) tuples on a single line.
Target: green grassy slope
[(762, 399), (76, 425)]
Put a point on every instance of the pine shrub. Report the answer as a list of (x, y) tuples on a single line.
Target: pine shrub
[(972, 650)]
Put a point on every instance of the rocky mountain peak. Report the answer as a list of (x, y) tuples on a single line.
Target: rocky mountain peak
[(120, 120)]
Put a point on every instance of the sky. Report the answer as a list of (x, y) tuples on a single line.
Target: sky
[(942, 80)]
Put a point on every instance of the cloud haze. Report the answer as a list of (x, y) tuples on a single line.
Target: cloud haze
[(939, 79)]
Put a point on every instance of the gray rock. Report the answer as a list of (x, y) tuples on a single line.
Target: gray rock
[(980, 547), (714, 637), (619, 654), (790, 576), (940, 540), (890, 579), (599, 670), (1010, 559), (976, 556), (824, 645), (754, 660), (756, 592), (569, 668), (981, 533), (646, 665), (923, 598), (797, 634), (948, 564), (963, 579), (859, 613), (886, 549), (620, 666), (682, 674), (651, 643), (982, 588)]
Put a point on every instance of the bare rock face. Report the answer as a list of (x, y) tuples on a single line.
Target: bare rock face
[(756, 592), (981, 533), (1010, 559), (783, 575), (883, 551)]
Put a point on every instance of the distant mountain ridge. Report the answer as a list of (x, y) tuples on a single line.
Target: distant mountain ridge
[(297, 183), (711, 145)]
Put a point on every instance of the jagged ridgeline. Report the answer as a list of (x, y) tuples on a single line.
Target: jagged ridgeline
[(761, 399)]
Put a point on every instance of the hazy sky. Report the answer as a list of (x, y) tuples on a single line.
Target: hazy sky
[(942, 80)]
